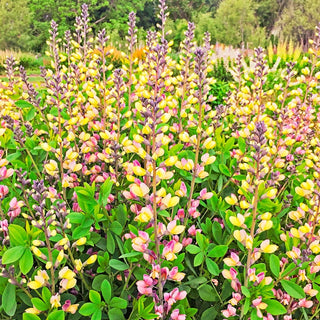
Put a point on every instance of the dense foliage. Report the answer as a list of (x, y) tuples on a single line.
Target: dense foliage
[(147, 191)]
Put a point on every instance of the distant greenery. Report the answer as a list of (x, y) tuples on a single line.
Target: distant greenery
[(24, 24)]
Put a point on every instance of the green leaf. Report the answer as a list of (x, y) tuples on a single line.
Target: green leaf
[(209, 314), (116, 227), (246, 291), (104, 193), (39, 304), (30, 316), (275, 265), (198, 259), (18, 235), (130, 255), (229, 144), (26, 261), (116, 314), (201, 240), (9, 302), (46, 295), (88, 308), (94, 297), (224, 169), (23, 104), (293, 289), (212, 267), (85, 199), (246, 306), (13, 254), (111, 246), (217, 231), (106, 290), (56, 315), (193, 249), (97, 315), (218, 251), (118, 303), (31, 114), (207, 293), (13, 156), (242, 144), (275, 307), (118, 265)]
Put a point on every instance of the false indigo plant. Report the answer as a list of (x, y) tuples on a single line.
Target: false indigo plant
[(125, 194)]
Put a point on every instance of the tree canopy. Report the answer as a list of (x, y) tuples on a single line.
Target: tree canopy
[(24, 24)]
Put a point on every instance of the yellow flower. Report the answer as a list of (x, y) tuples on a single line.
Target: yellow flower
[(92, 259), (173, 228), (244, 204), (51, 167), (209, 143), (145, 215), (315, 246), (232, 200), (265, 225), (32, 310), (66, 273), (55, 301), (237, 221), (271, 193), (266, 247), (266, 216), (39, 280), (139, 190), (139, 171), (170, 201), (81, 241), (78, 264), (184, 137), (67, 284), (171, 161)]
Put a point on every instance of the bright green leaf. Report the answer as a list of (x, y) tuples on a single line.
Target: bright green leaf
[(293, 289), (118, 265), (275, 307), (9, 302), (26, 261), (106, 290), (13, 254)]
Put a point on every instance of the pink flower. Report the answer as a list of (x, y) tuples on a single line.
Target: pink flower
[(174, 296), (230, 312), (175, 315), (186, 241), (15, 207), (4, 226), (193, 231), (304, 303), (259, 305), (141, 243), (180, 214), (145, 286), (5, 173), (171, 249), (4, 190), (236, 297), (204, 195)]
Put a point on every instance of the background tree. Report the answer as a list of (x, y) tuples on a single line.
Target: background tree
[(236, 24), (298, 20), (14, 22)]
